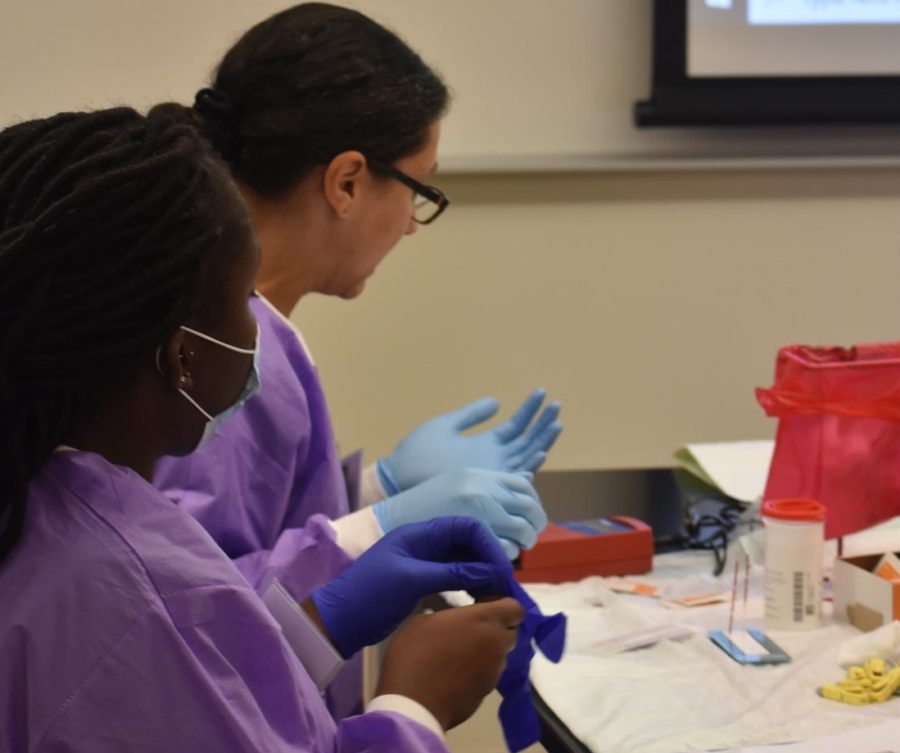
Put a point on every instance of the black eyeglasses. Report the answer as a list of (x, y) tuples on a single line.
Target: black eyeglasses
[(429, 201)]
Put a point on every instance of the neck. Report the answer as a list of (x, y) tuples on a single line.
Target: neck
[(114, 450), (292, 236), (120, 432), (277, 281)]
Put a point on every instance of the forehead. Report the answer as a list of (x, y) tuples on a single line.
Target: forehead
[(426, 157)]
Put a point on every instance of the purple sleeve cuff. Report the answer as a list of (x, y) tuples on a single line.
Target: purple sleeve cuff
[(302, 560)]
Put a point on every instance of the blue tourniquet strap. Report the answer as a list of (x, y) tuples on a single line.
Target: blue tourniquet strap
[(517, 714)]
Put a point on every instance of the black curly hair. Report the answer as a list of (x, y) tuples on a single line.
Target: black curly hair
[(113, 225)]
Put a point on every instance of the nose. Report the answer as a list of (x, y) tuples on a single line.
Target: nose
[(412, 226)]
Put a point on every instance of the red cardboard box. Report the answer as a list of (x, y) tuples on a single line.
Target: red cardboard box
[(573, 550)]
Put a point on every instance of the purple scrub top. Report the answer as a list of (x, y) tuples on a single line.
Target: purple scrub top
[(274, 463), (124, 627)]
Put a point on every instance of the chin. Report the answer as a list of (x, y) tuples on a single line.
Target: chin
[(354, 291)]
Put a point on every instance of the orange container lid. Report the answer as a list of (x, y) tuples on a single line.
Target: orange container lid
[(794, 509)]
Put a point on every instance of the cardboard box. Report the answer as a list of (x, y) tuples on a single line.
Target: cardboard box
[(860, 596), (573, 550), (889, 568)]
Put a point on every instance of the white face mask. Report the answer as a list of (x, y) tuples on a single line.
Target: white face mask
[(250, 388)]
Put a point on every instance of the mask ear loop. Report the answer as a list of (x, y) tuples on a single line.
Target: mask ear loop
[(195, 404), (183, 393), (235, 348)]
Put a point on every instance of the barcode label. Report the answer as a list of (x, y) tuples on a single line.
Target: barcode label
[(798, 596)]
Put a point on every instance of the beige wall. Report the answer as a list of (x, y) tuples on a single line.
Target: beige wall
[(650, 303)]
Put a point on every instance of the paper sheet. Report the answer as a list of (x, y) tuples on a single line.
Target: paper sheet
[(880, 738), (739, 469)]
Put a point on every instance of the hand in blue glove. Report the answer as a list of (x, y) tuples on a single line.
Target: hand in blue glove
[(506, 502), (367, 601), (438, 445)]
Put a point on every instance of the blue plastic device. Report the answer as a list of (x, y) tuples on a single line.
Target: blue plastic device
[(774, 654)]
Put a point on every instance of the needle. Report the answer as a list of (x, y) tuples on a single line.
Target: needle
[(733, 597), (746, 578)]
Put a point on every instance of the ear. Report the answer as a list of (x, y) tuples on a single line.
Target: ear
[(342, 181), (174, 362)]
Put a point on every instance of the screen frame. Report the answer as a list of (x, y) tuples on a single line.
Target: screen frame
[(678, 99)]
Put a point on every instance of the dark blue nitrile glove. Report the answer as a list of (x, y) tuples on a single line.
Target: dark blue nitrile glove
[(438, 445), (505, 502), (518, 717), (367, 601)]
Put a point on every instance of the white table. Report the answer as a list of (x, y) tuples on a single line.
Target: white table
[(668, 697)]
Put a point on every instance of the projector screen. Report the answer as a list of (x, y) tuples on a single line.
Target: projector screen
[(793, 38), (774, 62)]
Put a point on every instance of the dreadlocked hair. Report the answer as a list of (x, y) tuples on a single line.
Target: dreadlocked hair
[(109, 222)]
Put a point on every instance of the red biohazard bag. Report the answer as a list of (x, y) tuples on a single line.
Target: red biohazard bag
[(838, 438)]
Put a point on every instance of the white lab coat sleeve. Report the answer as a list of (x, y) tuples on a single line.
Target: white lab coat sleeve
[(357, 531), (371, 490)]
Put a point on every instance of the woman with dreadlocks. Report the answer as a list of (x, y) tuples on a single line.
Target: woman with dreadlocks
[(330, 125), (126, 263)]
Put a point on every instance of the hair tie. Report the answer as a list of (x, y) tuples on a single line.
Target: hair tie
[(220, 118)]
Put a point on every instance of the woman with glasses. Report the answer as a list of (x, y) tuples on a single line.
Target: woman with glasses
[(330, 125)]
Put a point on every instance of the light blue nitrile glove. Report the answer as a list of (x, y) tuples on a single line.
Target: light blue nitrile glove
[(439, 445), (505, 502), (372, 596)]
